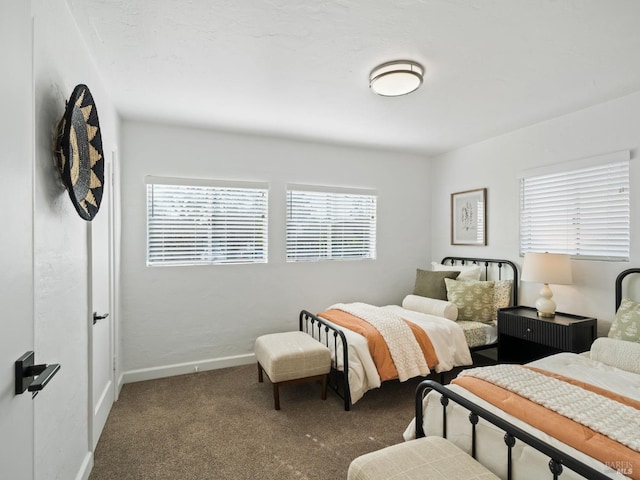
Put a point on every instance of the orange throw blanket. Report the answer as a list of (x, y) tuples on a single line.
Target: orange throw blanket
[(377, 346), (594, 444)]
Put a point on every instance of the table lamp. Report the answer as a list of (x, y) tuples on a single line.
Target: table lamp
[(546, 268)]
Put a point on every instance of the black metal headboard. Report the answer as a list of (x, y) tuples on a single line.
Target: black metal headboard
[(619, 280), (486, 262)]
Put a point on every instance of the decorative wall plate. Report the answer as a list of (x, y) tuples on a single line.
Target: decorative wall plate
[(79, 153)]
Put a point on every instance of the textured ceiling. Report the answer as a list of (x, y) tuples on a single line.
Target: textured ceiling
[(299, 68)]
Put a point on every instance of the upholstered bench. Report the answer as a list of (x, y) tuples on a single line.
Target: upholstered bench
[(292, 357), (427, 458)]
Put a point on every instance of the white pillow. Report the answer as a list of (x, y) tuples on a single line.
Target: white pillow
[(432, 306), (467, 272), (617, 353)]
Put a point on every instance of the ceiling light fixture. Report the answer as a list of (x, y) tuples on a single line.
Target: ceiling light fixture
[(396, 78)]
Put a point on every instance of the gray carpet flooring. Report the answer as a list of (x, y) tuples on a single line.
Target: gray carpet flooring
[(221, 424)]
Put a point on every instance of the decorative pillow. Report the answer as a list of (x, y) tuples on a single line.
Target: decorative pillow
[(431, 284), (626, 325), (467, 272), (474, 299), (617, 353), (432, 306), (501, 296)]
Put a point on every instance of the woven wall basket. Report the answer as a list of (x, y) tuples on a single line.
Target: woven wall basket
[(79, 153)]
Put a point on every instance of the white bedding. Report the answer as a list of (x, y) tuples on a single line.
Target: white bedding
[(528, 463), (404, 349), (446, 337)]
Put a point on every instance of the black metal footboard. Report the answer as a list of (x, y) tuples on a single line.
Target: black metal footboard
[(558, 458), (329, 335)]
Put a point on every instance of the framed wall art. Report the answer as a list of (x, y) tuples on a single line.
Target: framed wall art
[(469, 217)]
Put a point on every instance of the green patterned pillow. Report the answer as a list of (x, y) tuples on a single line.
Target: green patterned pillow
[(474, 299), (626, 325), (501, 296)]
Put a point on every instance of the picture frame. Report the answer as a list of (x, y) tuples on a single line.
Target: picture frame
[(469, 217)]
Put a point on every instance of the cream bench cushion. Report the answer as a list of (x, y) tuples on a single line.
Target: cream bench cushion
[(292, 357), (430, 458)]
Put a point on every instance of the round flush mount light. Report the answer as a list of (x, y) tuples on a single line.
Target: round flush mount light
[(397, 78)]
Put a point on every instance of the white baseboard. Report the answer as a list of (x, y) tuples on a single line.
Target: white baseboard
[(184, 368), (119, 384), (85, 468)]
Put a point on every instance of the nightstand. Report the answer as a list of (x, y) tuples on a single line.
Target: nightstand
[(523, 336)]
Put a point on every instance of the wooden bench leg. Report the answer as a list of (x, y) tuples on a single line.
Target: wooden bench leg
[(276, 396), (276, 385)]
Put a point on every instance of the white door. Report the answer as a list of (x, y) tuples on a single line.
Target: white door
[(101, 331), (16, 238)]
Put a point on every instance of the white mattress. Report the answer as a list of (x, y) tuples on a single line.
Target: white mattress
[(528, 463)]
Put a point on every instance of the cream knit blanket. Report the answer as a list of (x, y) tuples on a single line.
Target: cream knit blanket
[(403, 346), (616, 420)]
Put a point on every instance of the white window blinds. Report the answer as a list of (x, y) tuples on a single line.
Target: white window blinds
[(205, 224), (582, 212), (330, 225)]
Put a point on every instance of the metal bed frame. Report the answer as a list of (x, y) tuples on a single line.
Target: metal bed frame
[(332, 336), (557, 458), (621, 276), (486, 262)]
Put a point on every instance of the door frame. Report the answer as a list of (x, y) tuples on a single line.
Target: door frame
[(93, 434)]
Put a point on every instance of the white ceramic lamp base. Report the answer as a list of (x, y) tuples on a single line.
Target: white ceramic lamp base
[(545, 306)]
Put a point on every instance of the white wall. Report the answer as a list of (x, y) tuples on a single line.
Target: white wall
[(210, 316), (61, 261), (16, 281), (498, 162)]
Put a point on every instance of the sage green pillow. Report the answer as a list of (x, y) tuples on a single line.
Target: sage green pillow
[(431, 284), (474, 299), (626, 325)]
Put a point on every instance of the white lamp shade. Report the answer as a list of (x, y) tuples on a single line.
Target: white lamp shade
[(554, 268)]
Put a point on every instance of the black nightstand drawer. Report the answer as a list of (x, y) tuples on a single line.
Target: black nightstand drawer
[(544, 333), (524, 337)]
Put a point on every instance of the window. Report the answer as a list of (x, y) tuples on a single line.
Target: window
[(330, 224), (582, 212), (192, 222)]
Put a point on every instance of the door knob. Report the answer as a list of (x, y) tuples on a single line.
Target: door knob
[(97, 317), (32, 377)]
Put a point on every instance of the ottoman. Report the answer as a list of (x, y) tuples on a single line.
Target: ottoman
[(292, 357), (430, 458)]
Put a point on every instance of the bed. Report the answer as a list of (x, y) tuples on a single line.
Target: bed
[(598, 389), (354, 370)]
